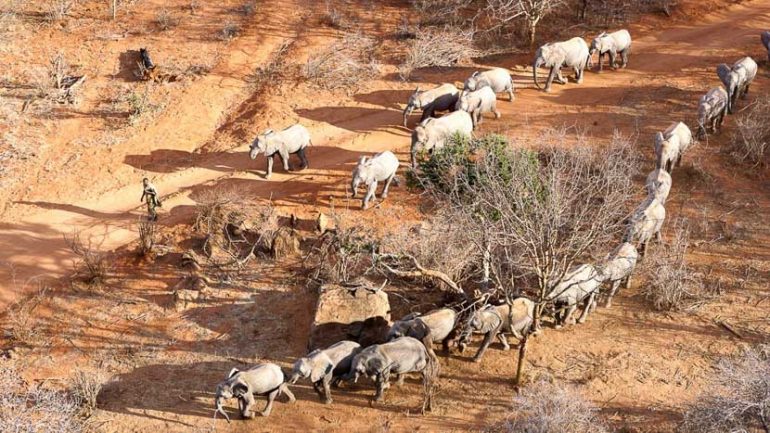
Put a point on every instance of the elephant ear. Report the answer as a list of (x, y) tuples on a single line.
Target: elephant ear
[(723, 70), (232, 373), (376, 366), (362, 160), (240, 389), (321, 369)]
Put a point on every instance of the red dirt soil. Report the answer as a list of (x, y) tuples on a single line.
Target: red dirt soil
[(638, 366)]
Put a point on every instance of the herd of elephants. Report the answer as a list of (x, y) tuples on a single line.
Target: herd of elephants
[(409, 346)]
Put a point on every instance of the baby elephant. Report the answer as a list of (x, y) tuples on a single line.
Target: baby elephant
[(711, 111), (612, 44), (645, 223), (441, 98), (618, 266), (497, 321), (293, 139), (325, 366), (477, 103), (440, 324), (400, 356), (658, 184), (671, 145), (578, 285), (264, 379), (370, 171), (497, 79)]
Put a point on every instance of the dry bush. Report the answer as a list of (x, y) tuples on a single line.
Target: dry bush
[(333, 18), (271, 72), (673, 284), (166, 20), (446, 47), (345, 64), (751, 138), (57, 83), (441, 12), (737, 400), (551, 408), (147, 230), (28, 408), (84, 387), (249, 8), (341, 255), (140, 104), (92, 265), (404, 30), (532, 12), (21, 319), (229, 32), (59, 9)]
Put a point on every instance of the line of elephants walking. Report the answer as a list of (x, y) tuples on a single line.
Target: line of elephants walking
[(410, 339)]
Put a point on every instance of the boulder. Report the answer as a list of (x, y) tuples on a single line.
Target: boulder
[(285, 243), (359, 313)]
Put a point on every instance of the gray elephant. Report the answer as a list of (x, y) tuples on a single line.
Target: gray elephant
[(579, 284), (572, 54), (324, 367), (498, 320), (294, 139), (711, 111), (645, 223), (400, 356), (370, 171), (432, 134), (497, 79), (441, 98), (437, 325), (262, 380), (612, 44), (478, 102), (737, 79), (658, 184), (618, 267), (765, 36), (671, 145)]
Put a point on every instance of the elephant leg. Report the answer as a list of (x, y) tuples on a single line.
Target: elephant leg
[(381, 382), (628, 281), (624, 57), (269, 166), (568, 315), (548, 82), (615, 285), (303, 158), (613, 58), (658, 236), (445, 342), (586, 307), (318, 387), (285, 158), (510, 95), (485, 344), (270, 399), (399, 380), (559, 77), (248, 403), (387, 186), (643, 250), (369, 194), (327, 392), (745, 91), (504, 341), (427, 112), (601, 63), (579, 75)]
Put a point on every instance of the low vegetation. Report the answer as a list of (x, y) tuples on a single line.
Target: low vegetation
[(751, 136), (92, 265), (166, 20), (738, 399), (437, 48), (84, 388), (346, 64)]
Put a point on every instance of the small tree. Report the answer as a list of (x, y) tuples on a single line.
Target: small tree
[(531, 11)]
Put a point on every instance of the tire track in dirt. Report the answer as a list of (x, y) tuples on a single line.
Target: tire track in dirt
[(34, 244)]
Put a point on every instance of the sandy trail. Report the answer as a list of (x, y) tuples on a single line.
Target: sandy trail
[(33, 238)]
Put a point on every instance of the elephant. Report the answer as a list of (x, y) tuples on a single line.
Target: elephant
[(497, 320), (497, 79), (441, 98), (572, 54), (671, 145), (579, 284), (478, 102), (645, 223), (324, 367), (371, 171), (400, 356), (432, 134), (737, 79), (612, 44), (658, 184), (765, 36), (264, 379), (438, 325), (293, 139), (618, 267), (711, 111)]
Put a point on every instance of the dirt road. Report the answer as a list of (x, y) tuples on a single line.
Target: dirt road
[(669, 70)]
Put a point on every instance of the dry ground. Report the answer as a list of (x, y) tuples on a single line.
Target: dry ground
[(79, 169)]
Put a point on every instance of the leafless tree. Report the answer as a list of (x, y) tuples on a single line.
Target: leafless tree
[(531, 11), (738, 399), (91, 265)]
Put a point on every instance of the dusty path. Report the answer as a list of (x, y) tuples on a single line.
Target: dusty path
[(669, 70)]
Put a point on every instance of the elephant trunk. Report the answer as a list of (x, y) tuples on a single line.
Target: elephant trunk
[(293, 379), (407, 112), (220, 409), (535, 65)]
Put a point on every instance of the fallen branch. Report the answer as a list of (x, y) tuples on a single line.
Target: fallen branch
[(729, 328), (421, 272)]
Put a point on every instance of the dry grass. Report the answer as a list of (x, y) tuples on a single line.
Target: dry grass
[(229, 32), (430, 48), (147, 230), (85, 387), (27, 408), (751, 137), (441, 12), (166, 20), (271, 72), (332, 17), (546, 407), (673, 284), (59, 9), (345, 64), (92, 265), (738, 399)]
